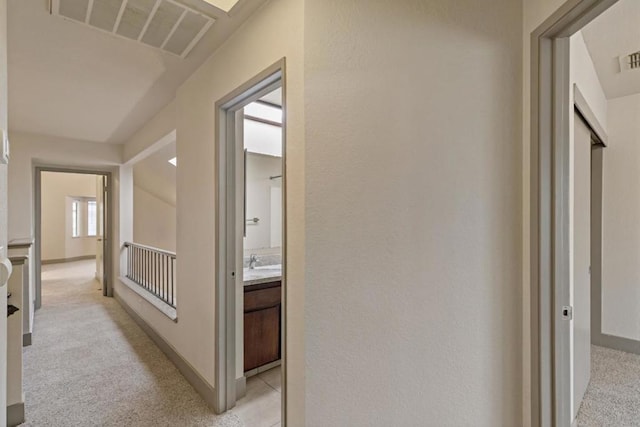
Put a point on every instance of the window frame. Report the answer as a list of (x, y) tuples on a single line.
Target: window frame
[(80, 224), (75, 218), (95, 214)]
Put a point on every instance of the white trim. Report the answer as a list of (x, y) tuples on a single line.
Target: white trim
[(163, 307)]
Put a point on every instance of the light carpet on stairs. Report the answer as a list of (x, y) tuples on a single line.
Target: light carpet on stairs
[(91, 365)]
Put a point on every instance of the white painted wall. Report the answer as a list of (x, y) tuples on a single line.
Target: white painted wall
[(583, 74), (154, 220), (259, 204), (413, 199), (273, 33), (620, 230), (58, 193)]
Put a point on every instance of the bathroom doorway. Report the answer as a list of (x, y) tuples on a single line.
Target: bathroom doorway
[(251, 263)]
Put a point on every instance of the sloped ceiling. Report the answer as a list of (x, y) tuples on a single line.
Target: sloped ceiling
[(73, 81), (614, 33)]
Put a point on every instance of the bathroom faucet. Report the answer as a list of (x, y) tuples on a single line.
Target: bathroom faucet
[(253, 258)]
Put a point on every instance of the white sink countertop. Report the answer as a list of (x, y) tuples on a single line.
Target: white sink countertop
[(263, 274)]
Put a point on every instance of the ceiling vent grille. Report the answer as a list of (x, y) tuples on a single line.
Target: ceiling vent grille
[(629, 62), (634, 60), (162, 24)]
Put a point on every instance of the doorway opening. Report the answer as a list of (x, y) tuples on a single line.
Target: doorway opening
[(557, 312), (251, 262), (72, 227)]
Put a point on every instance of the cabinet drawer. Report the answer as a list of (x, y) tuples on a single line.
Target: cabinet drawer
[(261, 299)]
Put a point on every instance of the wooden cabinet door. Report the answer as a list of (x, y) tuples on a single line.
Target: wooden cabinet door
[(261, 337)]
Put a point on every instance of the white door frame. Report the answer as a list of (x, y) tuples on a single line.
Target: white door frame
[(549, 192), (228, 162), (107, 288)]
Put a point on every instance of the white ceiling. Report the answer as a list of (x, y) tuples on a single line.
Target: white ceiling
[(614, 33), (73, 81), (156, 175), (274, 97)]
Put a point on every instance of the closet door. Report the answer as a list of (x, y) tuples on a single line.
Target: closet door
[(581, 262)]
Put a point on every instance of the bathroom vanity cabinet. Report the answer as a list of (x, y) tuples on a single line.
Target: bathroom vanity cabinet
[(262, 324)]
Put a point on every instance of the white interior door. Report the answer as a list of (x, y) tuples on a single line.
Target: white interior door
[(100, 193), (581, 262)]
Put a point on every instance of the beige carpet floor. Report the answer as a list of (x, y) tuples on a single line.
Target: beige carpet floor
[(613, 395), (91, 365)]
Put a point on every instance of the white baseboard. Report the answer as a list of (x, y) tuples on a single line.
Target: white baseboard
[(64, 260)]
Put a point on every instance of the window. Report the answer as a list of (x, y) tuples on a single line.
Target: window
[(84, 217), (75, 218), (92, 218)]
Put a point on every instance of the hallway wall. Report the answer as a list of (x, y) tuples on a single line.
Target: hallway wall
[(274, 32), (413, 206)]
